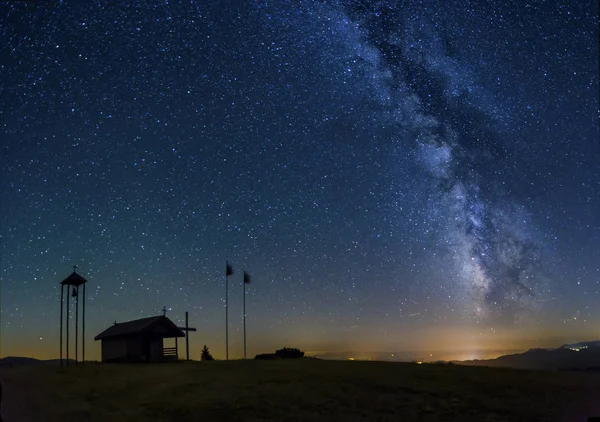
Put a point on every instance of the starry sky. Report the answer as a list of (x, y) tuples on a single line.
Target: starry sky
[(395, 175)]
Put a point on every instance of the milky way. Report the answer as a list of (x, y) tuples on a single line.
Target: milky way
[(385, 170), (488, 236)]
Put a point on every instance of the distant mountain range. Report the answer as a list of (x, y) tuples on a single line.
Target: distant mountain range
[(20, 361), (576, 356), (407, 356)]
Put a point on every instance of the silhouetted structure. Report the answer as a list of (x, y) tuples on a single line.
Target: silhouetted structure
[(187, 330), (75, 281), (140, 340), (285, 353)]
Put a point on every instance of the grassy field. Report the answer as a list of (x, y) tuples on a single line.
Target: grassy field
[(302, 390)]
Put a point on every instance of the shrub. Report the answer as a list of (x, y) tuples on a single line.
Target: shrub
[(266, 356), (206, 354), (289, 353)]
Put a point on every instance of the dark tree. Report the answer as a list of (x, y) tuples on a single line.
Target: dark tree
[(290, 352), (266, 356), (206, 354)]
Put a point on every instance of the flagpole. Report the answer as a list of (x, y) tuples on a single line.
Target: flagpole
[(226, 310), (244, 283), (68, 315)]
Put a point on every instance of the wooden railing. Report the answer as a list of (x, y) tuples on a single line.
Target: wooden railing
[(169, 351)]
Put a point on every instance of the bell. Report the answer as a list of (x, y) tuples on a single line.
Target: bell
[(74, 294)]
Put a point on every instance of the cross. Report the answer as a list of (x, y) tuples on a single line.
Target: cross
[(164, 311), (187, 330), (74, 268)]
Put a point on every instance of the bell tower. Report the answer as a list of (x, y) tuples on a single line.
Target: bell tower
[(72, 284)]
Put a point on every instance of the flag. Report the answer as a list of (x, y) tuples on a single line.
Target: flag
[(246, 278), (228, 269)]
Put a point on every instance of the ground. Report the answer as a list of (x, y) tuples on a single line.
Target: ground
[(295, 390)]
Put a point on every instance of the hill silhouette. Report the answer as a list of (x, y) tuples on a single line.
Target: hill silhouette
[(24, 361), (577, 356)]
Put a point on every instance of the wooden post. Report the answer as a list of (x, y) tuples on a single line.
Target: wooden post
[(68, 295), (187, 338), (226, 310), (76, 324), (176, 348), (62, 289), (244, 283), (83, 329)]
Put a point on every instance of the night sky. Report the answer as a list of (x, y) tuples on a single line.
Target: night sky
[(395, 175)]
